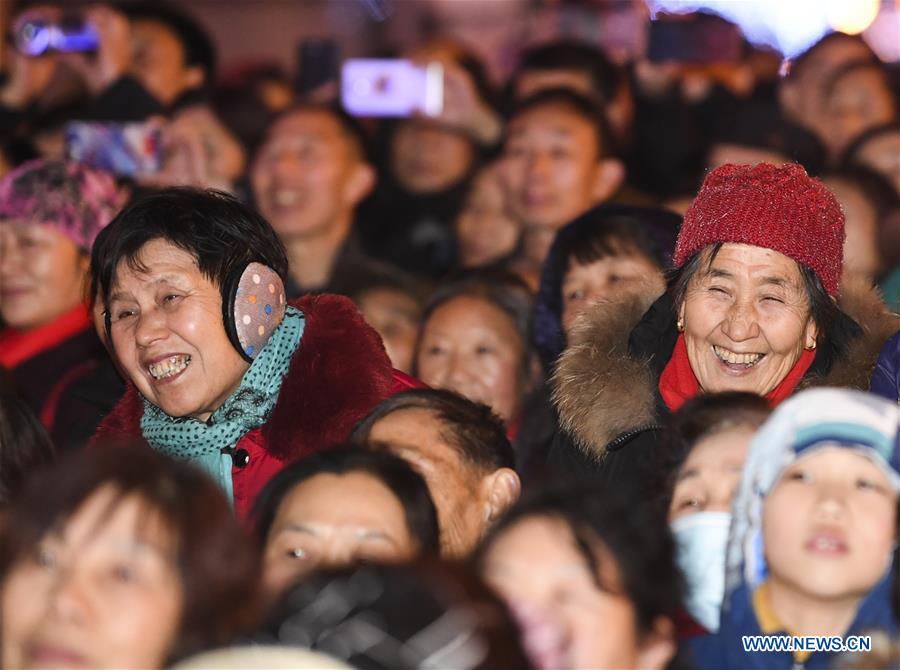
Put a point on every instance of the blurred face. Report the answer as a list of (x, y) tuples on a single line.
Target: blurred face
[(42, 275), (315, 529), (427, 157), (395, 315), (101, 591), (535, 566), (471, 347), (550, 166), (808, 103), (417, 436), (307, 178), (746, 320), (859, 100), (158, 61), (168, 335), (710, 475), (882, 154), (605, 279), (861, 253), (828, 526), (484, 229)]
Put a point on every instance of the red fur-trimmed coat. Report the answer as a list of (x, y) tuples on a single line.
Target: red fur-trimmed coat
[(338, 374)]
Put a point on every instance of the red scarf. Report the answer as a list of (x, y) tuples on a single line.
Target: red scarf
[(678, 384), (17, 346)]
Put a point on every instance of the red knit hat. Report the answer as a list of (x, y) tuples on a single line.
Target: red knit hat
[(778, 208)]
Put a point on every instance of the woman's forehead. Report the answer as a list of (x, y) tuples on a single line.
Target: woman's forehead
[(156, 260)]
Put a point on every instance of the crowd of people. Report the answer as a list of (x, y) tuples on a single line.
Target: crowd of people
[(598, 367)]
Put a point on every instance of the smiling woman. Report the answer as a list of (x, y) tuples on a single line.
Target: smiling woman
[(753, 306), (224, 371)]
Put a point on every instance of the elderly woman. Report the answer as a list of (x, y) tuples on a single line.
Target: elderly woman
[(50, 213), (753, 306), (223, 371)]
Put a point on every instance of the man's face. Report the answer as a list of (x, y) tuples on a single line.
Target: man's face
[(417, 435), (303, 176), (550, 166), (158, 61)]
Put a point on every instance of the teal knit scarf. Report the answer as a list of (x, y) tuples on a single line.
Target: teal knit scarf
[(208, 444)]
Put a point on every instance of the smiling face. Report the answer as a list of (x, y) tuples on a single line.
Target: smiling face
[(551, 167), (308, 177), (314, 528), (472, 347), (168, 335), (103, 591), (708, 480), (829, 525), (859, 100), (746, 320), (535, 565), (42, 275)]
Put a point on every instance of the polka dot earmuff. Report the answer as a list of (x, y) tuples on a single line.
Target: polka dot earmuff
[(253, 304)]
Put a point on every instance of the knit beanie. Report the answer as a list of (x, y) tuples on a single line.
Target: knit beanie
[(777, 208), (74, 200)]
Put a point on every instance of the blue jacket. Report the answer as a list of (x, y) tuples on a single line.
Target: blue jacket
[(886, 378), (725, 649)]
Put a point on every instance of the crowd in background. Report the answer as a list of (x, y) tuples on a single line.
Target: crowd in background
[(597, 367)]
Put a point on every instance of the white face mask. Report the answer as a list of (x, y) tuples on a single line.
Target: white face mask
[(702, 540)]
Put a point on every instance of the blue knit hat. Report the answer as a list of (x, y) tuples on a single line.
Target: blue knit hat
[(808, 421)]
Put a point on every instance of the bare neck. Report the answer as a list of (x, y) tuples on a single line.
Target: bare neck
[(311, 258)]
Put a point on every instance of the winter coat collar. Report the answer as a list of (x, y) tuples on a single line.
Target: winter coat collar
[(339, 372), (606, 381)]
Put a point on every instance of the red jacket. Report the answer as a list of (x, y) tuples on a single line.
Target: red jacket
[(338, 374)]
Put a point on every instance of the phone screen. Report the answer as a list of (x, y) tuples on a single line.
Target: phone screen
[(125, 149), (391, 87)]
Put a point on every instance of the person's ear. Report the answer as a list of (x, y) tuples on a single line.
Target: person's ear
[(658, 646), (810, 334), (502, 488), (608, 177), (194, 76), (359, 184)]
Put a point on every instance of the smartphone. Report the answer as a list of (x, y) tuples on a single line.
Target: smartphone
[(35, 37), (125, 149), (702, 40), (391, 87)]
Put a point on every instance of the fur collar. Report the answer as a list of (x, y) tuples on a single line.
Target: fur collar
[(338, 374), (601, 391)]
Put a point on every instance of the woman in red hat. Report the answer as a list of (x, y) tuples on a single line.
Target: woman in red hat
[(755, 304)]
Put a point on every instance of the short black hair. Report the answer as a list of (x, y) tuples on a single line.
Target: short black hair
[(471, 428), (635, 533), (606, 77), (396, 474), (370, 275), (199, 49), (222, 233), (581, 105), (495, 286)]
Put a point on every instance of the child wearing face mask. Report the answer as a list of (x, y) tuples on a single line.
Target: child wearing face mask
[(712, 433), (811, 545)]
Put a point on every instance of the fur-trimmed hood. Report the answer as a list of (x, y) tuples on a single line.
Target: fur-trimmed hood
[(338, 374), (601, 389)]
